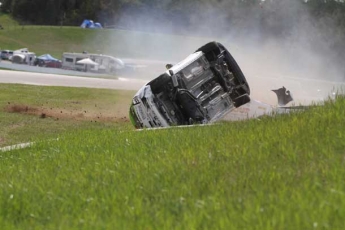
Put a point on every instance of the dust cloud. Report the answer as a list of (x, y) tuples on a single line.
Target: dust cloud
[(274, 46)]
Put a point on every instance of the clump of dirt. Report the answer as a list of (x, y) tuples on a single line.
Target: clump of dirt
[(19, 109), (69, 113)]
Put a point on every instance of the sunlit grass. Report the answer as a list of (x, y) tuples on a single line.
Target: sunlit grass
[(283, 172), (65, 109), (7, 21)]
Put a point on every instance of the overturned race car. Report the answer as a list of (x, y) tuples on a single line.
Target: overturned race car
[(201, 89)]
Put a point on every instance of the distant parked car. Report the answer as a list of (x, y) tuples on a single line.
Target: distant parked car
[(6, 54), (47, 60), (53, 64)]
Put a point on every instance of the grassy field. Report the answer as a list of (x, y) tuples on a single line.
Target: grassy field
[(284, 172), (29, 113)]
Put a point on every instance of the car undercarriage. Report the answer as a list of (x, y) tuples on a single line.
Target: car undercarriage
[(200, 89)]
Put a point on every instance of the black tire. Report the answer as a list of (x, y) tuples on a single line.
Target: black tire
[(212, 50), (241, 100)]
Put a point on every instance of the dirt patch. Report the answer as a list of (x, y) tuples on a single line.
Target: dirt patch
[(70, 113), (20, 109), (2, 140)]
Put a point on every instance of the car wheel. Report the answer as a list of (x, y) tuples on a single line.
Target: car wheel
[(241, 100), (212, 50)]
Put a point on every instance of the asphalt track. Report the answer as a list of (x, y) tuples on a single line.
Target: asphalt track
[(30, 78)]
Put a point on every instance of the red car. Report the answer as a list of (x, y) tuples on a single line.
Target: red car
[(47, 60)]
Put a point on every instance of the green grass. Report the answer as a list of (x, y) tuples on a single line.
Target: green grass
[(66, 109), (7, 21), (283, 172)]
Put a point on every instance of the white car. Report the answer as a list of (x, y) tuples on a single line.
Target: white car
[(200, 89), (6, 54)]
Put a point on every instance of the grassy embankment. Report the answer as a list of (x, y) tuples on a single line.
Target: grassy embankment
[(284, 172)]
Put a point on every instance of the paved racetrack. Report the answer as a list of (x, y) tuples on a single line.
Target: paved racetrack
[(7, 76)]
